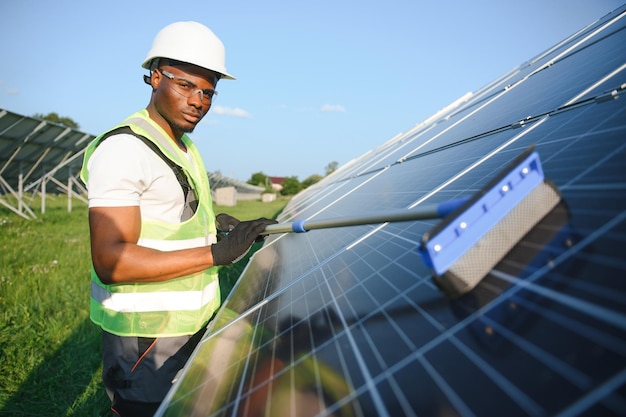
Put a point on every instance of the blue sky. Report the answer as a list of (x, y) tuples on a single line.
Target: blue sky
[(317, 81)]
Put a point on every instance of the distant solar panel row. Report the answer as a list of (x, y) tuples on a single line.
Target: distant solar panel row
[(348, 321), (32, 149), (34, 146)]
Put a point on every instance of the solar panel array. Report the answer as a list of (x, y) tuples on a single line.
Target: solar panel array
[(32, 150), (348, 322)]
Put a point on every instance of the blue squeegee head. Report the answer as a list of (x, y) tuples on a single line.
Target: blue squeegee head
[(468, 243)]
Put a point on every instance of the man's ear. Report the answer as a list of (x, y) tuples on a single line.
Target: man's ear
[(155, 79)]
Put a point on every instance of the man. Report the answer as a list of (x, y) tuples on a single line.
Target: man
[(153, 231)]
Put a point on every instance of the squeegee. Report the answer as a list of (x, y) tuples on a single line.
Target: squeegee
[(475, 233)]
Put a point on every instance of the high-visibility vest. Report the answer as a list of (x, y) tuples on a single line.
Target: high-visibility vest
[(175, 307)]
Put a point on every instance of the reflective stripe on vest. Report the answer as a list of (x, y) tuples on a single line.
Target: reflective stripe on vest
[(175, 307), (141, 302)]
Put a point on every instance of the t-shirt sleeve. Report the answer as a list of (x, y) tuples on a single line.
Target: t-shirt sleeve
[(118, 172)]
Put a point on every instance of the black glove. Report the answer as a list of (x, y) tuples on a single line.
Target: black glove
[(237, 243), (225, 224)]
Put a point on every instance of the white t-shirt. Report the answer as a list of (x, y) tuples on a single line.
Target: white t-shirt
[(124, 171)]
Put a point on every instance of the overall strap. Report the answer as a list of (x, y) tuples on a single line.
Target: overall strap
[(178, 171)]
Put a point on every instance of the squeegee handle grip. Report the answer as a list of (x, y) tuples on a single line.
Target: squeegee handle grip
[(422, 213)]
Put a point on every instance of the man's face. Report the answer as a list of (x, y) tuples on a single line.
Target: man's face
[(182, 96)]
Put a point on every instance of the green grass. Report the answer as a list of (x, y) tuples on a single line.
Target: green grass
[(49, 350)]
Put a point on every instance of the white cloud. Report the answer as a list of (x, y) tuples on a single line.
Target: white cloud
[(227, 111), (334, 108), (10, 91)]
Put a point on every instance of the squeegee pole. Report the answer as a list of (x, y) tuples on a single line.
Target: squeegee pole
[(422, 213)]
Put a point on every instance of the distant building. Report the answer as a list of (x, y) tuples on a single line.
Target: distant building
[(225, 191), (277, 183)]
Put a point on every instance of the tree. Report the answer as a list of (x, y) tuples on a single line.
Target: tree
[(331, 167), (311, 180), (259, 179), (55, 118), (291, 186)]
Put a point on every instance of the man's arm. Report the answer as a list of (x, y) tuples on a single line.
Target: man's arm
[(117, 258)]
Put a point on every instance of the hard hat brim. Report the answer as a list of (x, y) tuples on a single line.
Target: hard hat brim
[(223, 75)]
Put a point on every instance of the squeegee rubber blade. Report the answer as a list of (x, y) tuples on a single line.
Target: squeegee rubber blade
[(471, 267)]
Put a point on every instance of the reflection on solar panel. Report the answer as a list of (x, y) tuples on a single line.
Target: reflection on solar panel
[(348, 321)]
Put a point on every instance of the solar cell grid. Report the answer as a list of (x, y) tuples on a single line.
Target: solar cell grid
[(348, 321)]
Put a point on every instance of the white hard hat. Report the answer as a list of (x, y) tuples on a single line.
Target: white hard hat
[(189, 42)]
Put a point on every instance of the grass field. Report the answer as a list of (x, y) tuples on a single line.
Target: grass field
[(49, 350)]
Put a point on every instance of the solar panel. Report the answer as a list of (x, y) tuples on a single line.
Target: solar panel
[(33, 150), (348, 321)]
